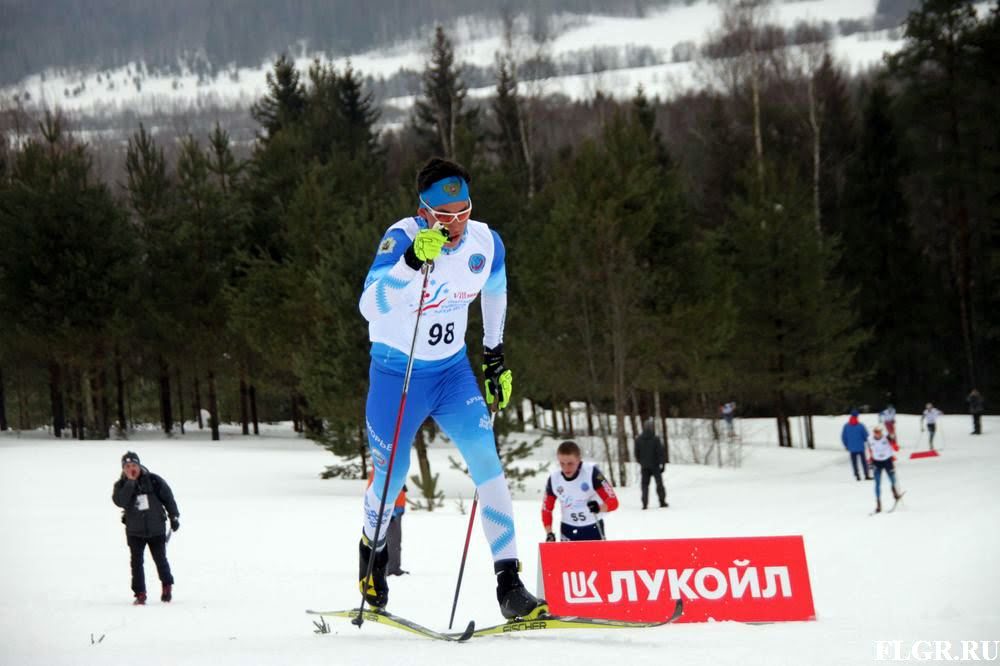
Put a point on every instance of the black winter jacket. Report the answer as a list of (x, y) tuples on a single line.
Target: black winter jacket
[(147, 502), (649, 451)]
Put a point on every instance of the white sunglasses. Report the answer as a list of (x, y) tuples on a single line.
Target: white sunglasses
[(444, 217)]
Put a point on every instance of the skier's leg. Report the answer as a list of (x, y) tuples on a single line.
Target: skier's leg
[(461, 412), (878, 481), (381, 411), (381, 414)]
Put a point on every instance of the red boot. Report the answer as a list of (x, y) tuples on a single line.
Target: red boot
[(166, 596), (140, 599)]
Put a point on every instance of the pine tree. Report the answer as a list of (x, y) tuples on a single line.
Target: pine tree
[(68, 267), (285, 101), (882, 263), (440, 117), (938, 77), (607, 208), (796, 335)]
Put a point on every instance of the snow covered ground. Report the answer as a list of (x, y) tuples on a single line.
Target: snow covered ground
[(263, 538)]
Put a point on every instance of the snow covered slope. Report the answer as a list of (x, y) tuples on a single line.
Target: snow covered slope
[(263, 538), (134, 87)]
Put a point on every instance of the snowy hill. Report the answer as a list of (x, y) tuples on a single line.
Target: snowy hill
[(262, 538), (679, 26)]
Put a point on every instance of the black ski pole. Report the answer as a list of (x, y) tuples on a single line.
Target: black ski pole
[(359, 620)]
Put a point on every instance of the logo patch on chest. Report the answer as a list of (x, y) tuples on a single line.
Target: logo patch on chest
[(477, 263)]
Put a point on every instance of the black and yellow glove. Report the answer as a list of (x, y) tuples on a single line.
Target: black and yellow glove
[(499, 379)]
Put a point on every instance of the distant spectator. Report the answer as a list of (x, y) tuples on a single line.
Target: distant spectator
[(975, 400), (728, 414), (854, 435), (652, 458), (147, 503), (887, 417), (931, 415)]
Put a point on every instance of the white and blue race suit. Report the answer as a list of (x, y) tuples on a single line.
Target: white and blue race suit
[(442, 383)]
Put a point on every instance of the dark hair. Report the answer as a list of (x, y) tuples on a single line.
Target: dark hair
[(569, 448), (438, 168)]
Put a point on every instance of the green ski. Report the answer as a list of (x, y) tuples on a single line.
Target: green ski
[(389, 620)]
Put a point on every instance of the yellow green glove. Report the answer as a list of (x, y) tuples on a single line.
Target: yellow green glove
[(426, 247), (499, 379)]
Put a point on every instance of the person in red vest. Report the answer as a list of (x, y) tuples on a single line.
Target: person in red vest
[(394, 537)]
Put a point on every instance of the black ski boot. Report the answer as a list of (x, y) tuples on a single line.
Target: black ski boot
[(515, 600), (375, 588)]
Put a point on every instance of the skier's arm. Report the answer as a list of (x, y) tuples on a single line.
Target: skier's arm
[(548, 505), (604, 490), (123, 492), (494, 296), (388, 277)]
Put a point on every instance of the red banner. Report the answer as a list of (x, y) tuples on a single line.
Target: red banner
[(924, 454), (747, 579)]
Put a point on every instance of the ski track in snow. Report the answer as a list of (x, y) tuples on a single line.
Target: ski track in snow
[(263, 538)]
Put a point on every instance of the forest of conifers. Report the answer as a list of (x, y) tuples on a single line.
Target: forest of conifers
[(793, 238)]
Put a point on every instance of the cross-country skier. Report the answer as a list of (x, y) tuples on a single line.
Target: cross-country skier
[(880, 449), (887, 417), (465, 258), (931, 415), (584, 494)]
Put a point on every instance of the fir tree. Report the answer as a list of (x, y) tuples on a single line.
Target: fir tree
[(440, 117), (284, 102)]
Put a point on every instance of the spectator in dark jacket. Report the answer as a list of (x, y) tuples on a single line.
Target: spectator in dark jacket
[(652, 458), (854, 435), (147, 502), (975, 400)]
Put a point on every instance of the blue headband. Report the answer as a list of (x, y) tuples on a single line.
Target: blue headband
[(445, 191)]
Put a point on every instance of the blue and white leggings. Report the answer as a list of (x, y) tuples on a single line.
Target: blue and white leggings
[(451, 396)]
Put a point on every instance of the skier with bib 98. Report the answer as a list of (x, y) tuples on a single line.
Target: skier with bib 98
[(457, 258)]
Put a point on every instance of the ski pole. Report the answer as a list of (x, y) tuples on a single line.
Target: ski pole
[(600, 530), (468, 535), (359, 620)]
